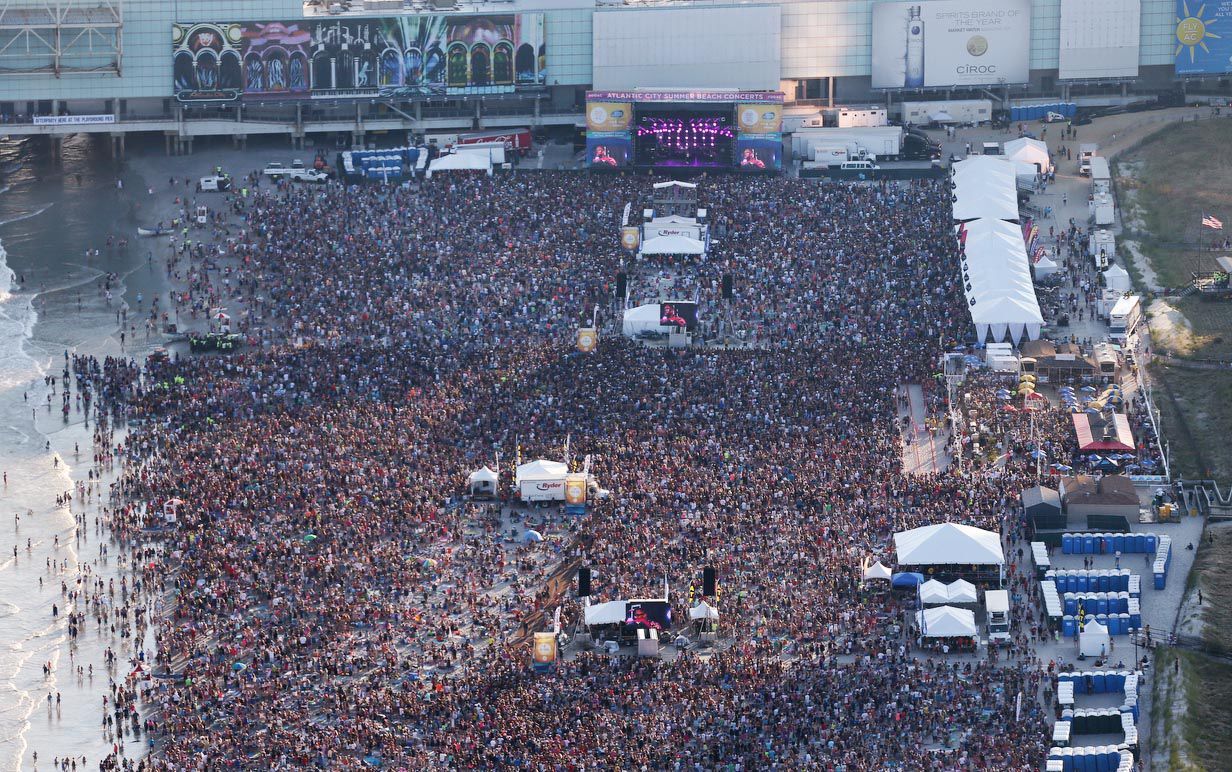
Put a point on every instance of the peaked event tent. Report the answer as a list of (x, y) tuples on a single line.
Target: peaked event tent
[(463, 161), (997, 281), (945, 622), (672, 245), (877, 571), (540, 469), (960, 591), (1094, 641), (1116, 278), (1031, 151), (948, 544), (482, 480), (610, 613), (641, 319)]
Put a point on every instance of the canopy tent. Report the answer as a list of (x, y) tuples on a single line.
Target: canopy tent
[(609, 613), (985, 166), (1045, 266), (932, 592), (997, 281), (945, 622), (1117, 278), (948, 544), (962, 591), (461, 161), (985, 198), (703, 610), (907, 579), (482, 480), (672, 245), (1113, 435), (642, 319), (877, 571), (1031, 151), (673, 184), (540, 469), (1094, 640)]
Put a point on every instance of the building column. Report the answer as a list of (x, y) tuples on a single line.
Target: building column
[(830, 90), (478, 114), (418, 112), (123, 149), (167, 144)]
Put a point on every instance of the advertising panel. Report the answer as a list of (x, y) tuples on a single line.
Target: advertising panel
[(575, 488), (630, 237), (609, 116), (1203, 37), (759, 152), (759, 118), (72, 120), (687, 95), (587, 339), (544, 652), (681, 314), (608, 150), (951, 43), (396, 57), (1100, 39)]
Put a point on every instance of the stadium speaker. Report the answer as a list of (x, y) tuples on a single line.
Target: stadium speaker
[(709, 580), (728, 290), (583, 583), (622, 284)]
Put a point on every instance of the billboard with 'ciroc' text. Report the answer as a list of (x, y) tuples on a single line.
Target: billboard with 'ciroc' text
[(951, 43)]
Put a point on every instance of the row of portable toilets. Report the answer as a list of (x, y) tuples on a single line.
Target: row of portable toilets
[(1096, 580), (1080, 721), (1101, 603), (1124, 543), (1117, 624)]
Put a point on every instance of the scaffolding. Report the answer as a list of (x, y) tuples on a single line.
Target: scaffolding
[(61, 37)]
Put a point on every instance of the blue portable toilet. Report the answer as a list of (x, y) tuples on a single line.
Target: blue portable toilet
[(1161, 580), (1071, 604), (1151, 542), (1125, 623), (1135, 621), (1118, 542), (1088, 544), (1105, 581), (1067, 544), (1084, 582), (1069, 626), (1116, 682)]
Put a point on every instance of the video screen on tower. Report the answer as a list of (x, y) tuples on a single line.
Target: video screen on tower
[(679, 314), (649, 614), (691, 136)]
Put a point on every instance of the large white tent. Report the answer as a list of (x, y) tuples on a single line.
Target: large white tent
[(945, 622), (540, 469), (986, 198), (948, 544), (676, 244), (997, 281), (1030, 151), (959, 591), (933, 591), (642, 319), (461, 161)]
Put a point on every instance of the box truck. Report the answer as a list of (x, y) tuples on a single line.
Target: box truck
[(997, 608), (948, 111), (515, 140), (1101, 177), (1124, 318), (874, 143)]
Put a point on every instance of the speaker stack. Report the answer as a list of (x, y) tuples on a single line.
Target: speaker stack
[(710, 581), (583, 583), (728, 288)]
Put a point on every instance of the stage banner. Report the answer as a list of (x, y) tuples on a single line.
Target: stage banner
[(759, 118), (684, 95), (587, 339), (942, 43), (608, 149), (1203, 37), (630, 237), (575, 489), (609, 116), (544, 656), (400, 57)]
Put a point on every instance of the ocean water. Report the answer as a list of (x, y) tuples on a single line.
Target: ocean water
[(50, 302)]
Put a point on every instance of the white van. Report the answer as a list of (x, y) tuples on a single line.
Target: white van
[(859, 166), (997, 607)]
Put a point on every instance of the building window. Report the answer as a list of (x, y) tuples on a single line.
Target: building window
[(809, 88)]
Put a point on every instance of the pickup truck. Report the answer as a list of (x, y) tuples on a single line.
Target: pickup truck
[(307, 175)]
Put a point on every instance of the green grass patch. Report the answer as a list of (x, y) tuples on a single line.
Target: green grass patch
[(1199, 424), (1207, 726)]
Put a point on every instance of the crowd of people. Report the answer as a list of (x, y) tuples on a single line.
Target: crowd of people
[(335, 600)]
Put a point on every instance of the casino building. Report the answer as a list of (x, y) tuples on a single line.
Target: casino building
[(190, 68)]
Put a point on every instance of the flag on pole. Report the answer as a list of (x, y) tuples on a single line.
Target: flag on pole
[(1211, 221)]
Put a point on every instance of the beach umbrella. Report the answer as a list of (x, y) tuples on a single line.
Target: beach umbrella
[(239, 667), (532, 536), (429, 563), (309, 538), (1089, 389), (1009, 408), (1004, 395), (1037, 395), (907, 579)]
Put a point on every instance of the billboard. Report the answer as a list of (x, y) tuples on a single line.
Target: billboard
[(757, 153), (687, 95), (1203, 37), (946, 43), (609, 116), (1100, 39), (396, 57), (544, 652), (608, 150), (759, 118), (681, 314)]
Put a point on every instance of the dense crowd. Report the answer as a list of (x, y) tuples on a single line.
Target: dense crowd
[(335, 601)]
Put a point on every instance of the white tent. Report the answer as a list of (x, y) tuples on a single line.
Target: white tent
[(642, 319), (987, 198), (1030, 151), (672, 245), (461, 161), (610, 613), (877, 571), (997, 281), (1117, 278), (933, 591), (962, 591), (482, 480), (945, 622), (948, 544), (540, 469), (1094, 641), (703, 610), (1045, 267), (673, 184)]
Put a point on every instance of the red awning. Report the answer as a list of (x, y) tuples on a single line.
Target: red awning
[(1124, 438)]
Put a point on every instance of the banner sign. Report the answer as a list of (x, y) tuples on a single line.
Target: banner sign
[(575, 489), (398, 57), (757, 97), (609, 116), (630, 237), (1203, 37), (544, 656), (759, 118), (72, 120), (941, 43)]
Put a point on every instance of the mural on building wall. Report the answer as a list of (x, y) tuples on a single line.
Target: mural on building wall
[(401, 57)]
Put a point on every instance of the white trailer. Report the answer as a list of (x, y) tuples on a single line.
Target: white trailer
[(858, 118), (1101, 177), (1101, 246), (793, 122), (884, 142), (997, 610), (1124, 317), (1103, 212), (948, 110), (826, 154)]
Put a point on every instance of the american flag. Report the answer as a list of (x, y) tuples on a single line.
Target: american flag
[(1211, 221)]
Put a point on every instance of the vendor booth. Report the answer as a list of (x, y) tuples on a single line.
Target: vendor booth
[(541, 480), (481, 483)]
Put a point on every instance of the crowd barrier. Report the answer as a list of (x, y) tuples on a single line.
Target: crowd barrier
[(1091, 758)]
